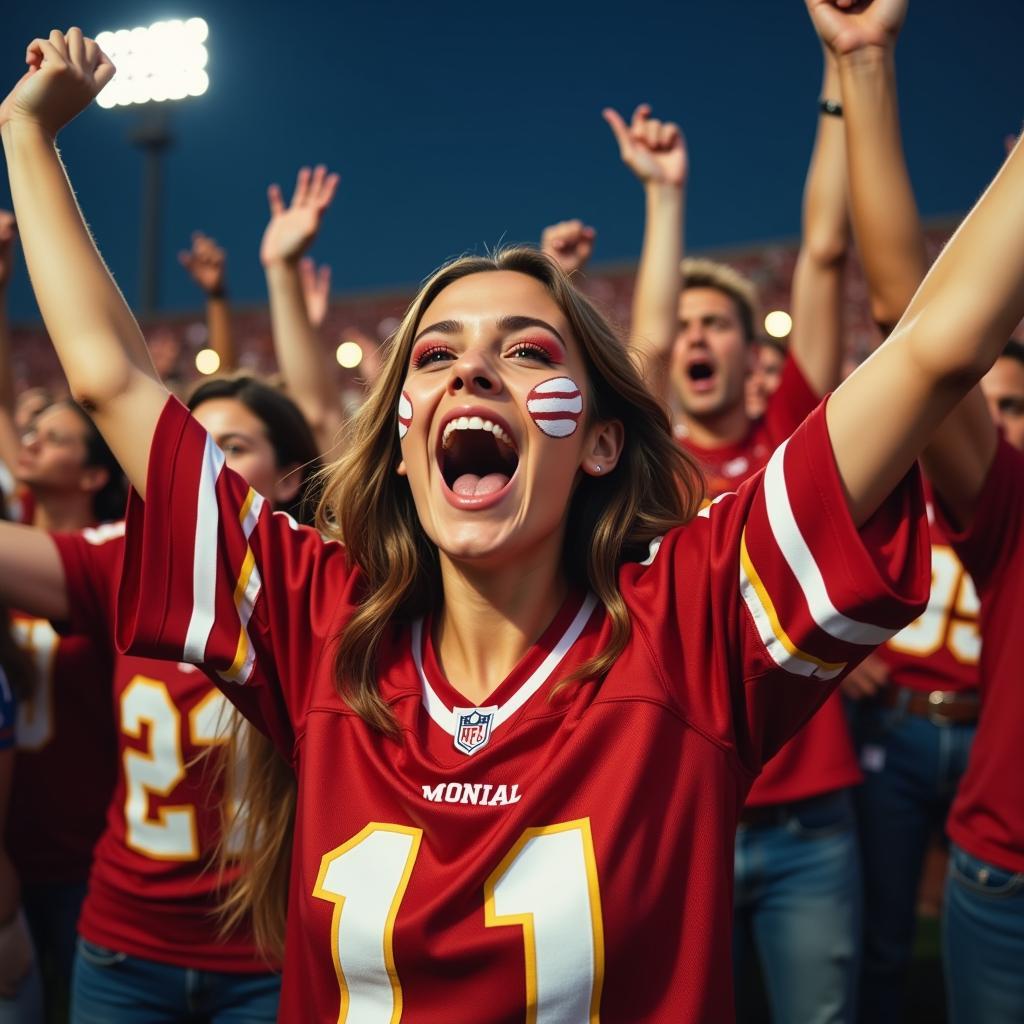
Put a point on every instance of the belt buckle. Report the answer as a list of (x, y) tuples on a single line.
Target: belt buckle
[(936, 700)]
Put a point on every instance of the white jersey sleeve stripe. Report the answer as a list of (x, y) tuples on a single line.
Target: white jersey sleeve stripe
[(801, 562), (204, 557), (773, 635), (247, 590)]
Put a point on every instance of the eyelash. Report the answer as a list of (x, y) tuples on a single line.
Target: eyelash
[(532, 351), (427, 355)]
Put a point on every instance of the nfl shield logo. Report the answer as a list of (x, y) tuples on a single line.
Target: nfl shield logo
[(473, 728)]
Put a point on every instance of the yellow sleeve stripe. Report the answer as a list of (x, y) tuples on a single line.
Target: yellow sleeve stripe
[(776, 640), (247, 589)]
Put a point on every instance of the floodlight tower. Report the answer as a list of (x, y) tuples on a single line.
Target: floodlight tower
[(164, 62)]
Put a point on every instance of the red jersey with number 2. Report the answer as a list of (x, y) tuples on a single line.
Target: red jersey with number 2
[(545, 857), (820, 758), (155, 887)]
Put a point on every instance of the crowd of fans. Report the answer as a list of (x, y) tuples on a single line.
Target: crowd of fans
[(629, 654)]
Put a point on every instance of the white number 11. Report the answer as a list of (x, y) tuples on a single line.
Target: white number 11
[(546, 885)]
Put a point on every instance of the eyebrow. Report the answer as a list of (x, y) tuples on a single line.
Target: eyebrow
[(509, 324)]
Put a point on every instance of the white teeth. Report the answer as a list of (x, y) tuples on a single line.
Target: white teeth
[(473, 423)]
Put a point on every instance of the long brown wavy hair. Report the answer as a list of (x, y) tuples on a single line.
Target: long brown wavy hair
[(368, 507)]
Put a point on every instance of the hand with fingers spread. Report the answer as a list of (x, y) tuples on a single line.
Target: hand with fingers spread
[(8, 246), (206, 263), (845, 26), (316, 290), (65, 72), (292, 229), (653, 150), (569, 243), (867, 680)]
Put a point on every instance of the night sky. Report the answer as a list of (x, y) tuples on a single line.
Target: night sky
[(456, 125)]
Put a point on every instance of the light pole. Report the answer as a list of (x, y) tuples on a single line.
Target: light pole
[(155, 65)]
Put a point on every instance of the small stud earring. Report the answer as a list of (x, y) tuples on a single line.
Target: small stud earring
[(597, 469)]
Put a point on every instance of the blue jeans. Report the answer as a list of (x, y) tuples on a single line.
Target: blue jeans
[(52, 910), (911, 771), (114, 988), (798, 896), (983, 941)]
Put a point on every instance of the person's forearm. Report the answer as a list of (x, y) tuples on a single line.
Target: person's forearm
[(816, 341), (221, 338), (91, 327), (884, 212), (656, 295), (301, 356), (100, 346)]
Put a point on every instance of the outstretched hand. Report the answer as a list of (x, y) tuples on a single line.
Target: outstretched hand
[(848, 25), (292, 229), (316, 289), (206, 263), (653, 150), (569, 243), (8, 246), (65, 72)]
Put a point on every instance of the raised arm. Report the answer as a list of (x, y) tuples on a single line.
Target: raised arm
[(206, 263), (10, 443), (94, 333), (954, 327), (884, 212), (304, 361), (656, 153), (888, 228), (816, 341)]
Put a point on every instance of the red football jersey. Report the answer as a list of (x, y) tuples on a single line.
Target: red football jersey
[(820, 758), (543, 858), (940, 649), (154, 886), (66, 759), (987, 816)]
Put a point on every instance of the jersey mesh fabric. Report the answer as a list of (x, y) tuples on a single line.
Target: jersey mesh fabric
[(154, 888), (987, 816), (596, 875)]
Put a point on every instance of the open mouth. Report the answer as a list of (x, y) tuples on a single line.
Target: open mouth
[(700, 370), (477, 456)]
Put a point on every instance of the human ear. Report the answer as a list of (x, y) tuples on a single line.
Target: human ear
[(603, 447)]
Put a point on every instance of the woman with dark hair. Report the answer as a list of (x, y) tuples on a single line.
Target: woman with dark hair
[(524, 684), (162, 930)]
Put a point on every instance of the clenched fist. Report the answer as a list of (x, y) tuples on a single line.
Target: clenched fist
[(65, 72), (569, 243)]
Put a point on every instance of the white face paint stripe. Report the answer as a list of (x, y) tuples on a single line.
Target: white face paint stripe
[(555, 406), (404, 415)]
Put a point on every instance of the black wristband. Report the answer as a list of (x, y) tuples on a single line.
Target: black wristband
[(218, 293), (831, 107)]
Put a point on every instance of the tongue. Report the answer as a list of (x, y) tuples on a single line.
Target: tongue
[(469, 485)]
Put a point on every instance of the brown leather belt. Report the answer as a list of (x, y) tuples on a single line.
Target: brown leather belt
[(940, 707)]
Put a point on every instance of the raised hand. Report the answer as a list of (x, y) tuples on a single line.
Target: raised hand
[(292, 229), (848, 25), (316, 290), (569, 243), (653, 150), (65, 72), (8, 246), (206, 263)]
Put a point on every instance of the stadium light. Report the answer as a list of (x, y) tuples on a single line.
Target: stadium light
[(166, 61), (207, 361), (778, 323), (349, 354), (155, 65)]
